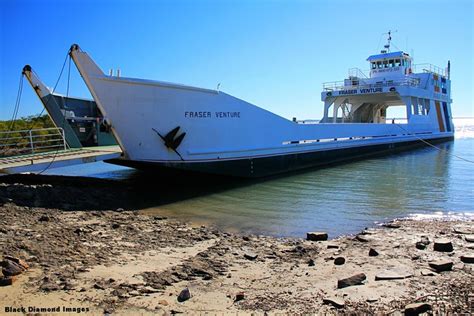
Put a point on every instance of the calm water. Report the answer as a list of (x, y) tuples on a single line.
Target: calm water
[(339, 200)]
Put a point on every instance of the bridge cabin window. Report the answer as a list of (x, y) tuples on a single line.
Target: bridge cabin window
[(398, 62)]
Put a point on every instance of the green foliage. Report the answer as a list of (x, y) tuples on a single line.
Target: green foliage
[(18, 142), (26, 123)]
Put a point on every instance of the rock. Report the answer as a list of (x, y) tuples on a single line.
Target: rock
[(339, 261), (392, 225), (184, 295), (462, 230), (334, 301), (441, 265), (371, 299), (239, 296), (373, 252), (6, 281), (362, 238), (11, 268), (98, 286), (467, 258), (469, 238), (394, 274), (425, 240), (163, 302), (443, 245), (311, 263), (333, 246), (416, 308), (19, 261), (426, 272), (420, 245), (115, 225), (316, 236), (43, 218), (356, 279), (250, 255), (119, 210)]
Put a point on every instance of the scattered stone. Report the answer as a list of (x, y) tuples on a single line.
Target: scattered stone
[(43, 218), (19, 261), (339, 261), (6, 281), (134, 293), (469, 238), (239, 296), (426, 272), (119, 210), (425, 240), (463, 230), (316, 236), (371, 299), (394, 274), (333, 246), (443, 245), (441, 265), (250, 255), (334, 301), (163, 302), (115, 225), (420, 245), (416, 309), (362, 238), (356, 279), (392, 225), (373, 252), (468, 258), (98, 286), (184, 295), (311, 263), (11, 268)]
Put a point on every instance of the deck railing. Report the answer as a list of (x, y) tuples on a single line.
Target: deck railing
[(13, 143), (430, 68), (339, 85)]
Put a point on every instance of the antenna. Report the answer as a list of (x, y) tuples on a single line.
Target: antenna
[(389, 39)]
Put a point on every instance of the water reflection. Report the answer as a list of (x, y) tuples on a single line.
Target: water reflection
[(340, 199)]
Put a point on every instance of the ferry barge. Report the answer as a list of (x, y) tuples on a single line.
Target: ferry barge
[(177, 128)]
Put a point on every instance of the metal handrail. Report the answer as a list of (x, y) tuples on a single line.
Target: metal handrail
[(32, 141), (338, 85), (429, 68)]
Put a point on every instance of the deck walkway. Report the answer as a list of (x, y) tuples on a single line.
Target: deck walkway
[(55, 159)]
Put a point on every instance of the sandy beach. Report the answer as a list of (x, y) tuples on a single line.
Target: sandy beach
[(88, 255)]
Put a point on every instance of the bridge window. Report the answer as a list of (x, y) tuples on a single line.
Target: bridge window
[(374, 65), (392, 63), (379, 65), (385, 64), (398, 62)]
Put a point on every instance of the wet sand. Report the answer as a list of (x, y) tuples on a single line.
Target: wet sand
[(88, 249)]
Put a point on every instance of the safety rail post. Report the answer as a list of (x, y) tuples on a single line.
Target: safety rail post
[(64, 137), (31, 142)]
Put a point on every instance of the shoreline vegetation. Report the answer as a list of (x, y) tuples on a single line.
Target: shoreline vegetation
[(76, 245)]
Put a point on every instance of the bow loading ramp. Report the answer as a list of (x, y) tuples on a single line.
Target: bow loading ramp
[(42, 149)]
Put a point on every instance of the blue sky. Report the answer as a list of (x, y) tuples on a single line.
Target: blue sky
[(275, 54)]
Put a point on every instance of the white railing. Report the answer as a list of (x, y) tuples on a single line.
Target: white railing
[(418, 68), (23, 142), (339, 85), (356, 72)]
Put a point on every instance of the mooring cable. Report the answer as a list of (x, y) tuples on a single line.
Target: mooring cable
[(436, 147)]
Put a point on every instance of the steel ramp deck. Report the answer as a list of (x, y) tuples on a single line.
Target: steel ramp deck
[(57, 158)]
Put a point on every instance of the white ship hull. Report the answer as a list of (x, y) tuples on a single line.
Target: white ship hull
[(228, 136)]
